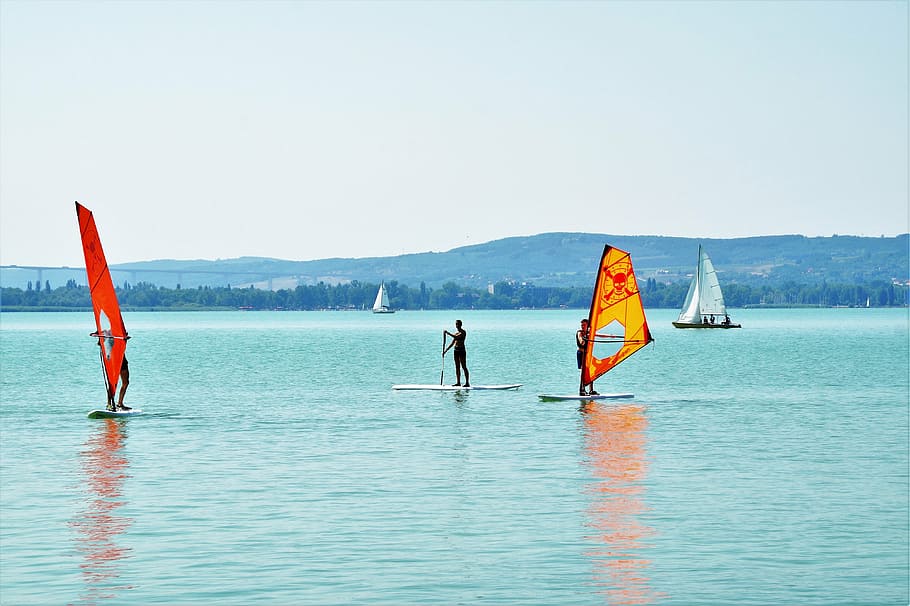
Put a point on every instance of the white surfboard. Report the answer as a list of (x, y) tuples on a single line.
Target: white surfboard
[(454, 387), (602, 396), (113, 414)]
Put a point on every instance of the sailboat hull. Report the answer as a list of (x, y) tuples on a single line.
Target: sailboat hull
[(689, 325)]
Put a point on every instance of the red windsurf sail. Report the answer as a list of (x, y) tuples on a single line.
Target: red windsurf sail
[(617, 324), (109, 326)]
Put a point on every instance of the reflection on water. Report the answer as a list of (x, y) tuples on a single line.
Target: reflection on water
[(615, 443), (460, 398), (97, 526)]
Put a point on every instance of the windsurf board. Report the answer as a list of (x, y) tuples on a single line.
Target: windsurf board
[(603, 396)]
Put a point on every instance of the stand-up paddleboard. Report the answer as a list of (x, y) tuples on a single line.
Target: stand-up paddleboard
[(113, 414), (602, 396), (454, 387)]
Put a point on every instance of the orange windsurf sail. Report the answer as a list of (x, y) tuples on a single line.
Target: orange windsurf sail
[(617, 324), (110, 331)]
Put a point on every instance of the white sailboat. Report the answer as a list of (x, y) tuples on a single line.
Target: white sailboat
[(381, 305), (704, 306)]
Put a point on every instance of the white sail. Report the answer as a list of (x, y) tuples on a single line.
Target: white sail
[(704, 297), (690, 311), (711, 299), (381, 304)]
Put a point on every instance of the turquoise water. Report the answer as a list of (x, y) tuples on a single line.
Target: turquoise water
[(767, 465)]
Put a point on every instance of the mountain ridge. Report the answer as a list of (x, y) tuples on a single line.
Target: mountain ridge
[(548, 259)]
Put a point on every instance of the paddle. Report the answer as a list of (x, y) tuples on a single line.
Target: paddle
[(442, 370)]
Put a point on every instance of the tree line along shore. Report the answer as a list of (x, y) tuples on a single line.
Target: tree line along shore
[(503, 295)]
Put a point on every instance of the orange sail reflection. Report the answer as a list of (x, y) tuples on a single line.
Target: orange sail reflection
[(615, 442), (98, 525)]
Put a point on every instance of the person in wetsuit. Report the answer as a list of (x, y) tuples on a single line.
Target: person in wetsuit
[(461, 354)]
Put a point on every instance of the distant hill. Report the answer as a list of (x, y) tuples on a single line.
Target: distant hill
[(550, 259)]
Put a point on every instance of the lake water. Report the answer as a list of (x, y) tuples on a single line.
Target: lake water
[(275, 465)]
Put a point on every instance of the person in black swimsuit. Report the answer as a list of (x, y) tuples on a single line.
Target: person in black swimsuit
[(124, 383), (461, 354), (581, 340)]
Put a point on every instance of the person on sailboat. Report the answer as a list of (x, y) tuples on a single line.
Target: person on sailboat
[(581, 340), (460, 354)]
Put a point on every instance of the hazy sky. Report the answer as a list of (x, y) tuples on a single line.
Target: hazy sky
[(304, 130)]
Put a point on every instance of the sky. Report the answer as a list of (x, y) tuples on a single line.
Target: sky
[(306, 130)]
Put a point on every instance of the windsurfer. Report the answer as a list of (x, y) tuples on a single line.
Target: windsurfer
[(581, 340), (460, 353)]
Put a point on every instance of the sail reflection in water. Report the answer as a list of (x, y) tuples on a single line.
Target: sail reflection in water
[(98, 526), (615, 442)]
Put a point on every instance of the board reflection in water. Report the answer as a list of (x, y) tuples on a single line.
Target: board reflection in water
[(98, 525), (615, 443)]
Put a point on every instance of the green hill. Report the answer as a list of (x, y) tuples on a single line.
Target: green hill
[(550, 259)]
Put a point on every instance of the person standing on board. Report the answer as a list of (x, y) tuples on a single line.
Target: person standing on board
[(461, 354), (581, 340), (124, 383)]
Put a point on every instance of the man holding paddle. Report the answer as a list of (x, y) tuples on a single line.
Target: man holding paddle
[(461, 354)]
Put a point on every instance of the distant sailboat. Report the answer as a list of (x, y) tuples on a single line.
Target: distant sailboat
[(704, 306), (381, 305)]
